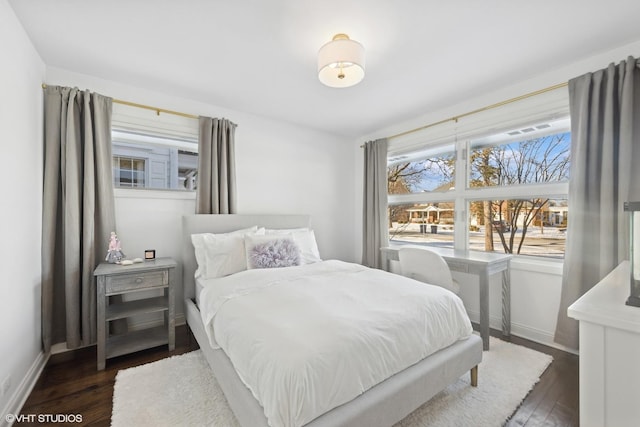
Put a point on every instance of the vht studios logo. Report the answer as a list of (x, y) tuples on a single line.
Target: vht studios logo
[(44, 418)]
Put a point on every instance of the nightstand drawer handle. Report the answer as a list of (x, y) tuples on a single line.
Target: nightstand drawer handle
[(139, 280)]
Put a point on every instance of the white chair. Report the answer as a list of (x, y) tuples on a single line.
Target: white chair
[(428, 267)]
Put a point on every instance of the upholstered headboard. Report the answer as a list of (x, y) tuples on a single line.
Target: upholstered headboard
[(194, 224)]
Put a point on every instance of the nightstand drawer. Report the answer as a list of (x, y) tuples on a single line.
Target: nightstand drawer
[(133, 281)]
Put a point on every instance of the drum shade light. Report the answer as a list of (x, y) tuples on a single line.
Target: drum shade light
[(341, 62)]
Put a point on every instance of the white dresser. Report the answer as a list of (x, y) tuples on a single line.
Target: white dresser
[(609, 353)]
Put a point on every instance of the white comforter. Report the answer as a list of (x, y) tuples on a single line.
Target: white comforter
[(307, 339)]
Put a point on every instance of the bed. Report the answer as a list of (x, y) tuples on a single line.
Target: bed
[(382, 404)]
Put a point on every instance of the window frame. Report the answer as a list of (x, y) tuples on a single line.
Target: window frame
[(133, 145), (147, 128), (550, 106), (145, 170), (463, 195)]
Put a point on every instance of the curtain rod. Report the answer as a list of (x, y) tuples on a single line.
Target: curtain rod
[(148, 107), (479, 110)]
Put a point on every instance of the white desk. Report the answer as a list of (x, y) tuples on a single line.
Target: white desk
[(482, 264)]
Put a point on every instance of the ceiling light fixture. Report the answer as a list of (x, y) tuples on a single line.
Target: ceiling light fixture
[(341, 62)]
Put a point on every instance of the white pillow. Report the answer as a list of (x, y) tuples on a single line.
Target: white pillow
[(271, 251), (305, 238), (220, 255)]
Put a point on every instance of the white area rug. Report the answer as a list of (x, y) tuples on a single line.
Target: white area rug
[(181, 391)]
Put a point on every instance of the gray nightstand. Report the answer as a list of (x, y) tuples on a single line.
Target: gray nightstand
[(114, 279)]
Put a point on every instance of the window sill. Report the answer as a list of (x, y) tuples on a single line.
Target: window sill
[(145, 193), (537, 265)]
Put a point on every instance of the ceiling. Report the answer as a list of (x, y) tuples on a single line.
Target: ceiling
[(259, 56)]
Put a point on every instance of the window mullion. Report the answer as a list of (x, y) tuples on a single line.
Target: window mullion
[(460, 229)]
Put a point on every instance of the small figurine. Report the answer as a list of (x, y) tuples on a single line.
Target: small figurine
[(114, 255)]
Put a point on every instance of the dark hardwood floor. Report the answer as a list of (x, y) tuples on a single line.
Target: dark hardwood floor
[(70, 384), (554, 399)]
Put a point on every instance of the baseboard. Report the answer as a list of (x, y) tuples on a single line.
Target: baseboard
[(494, 322), (133, 326), (180, 319), (523, 331), (541, 337), (19, 397), (61, 347)]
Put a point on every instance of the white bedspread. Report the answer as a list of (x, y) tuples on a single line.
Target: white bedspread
[(307, 339)]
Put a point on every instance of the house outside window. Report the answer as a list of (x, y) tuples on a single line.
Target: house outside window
[(485, 186), (153, 151), (429, 171), (153, 161)]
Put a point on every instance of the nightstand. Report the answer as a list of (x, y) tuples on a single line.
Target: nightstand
[(115, 279)]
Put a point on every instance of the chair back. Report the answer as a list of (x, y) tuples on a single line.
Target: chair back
[(426, 266)]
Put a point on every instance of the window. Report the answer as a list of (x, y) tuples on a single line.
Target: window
[(535, 154), (487, 190), (431, 223), (153, 151), (422, 171), (129, 172), (152, 161), (429, 171), (534, 226)]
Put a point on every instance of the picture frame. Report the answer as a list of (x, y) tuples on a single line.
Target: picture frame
[(149, 254)]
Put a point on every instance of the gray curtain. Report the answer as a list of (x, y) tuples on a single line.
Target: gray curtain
[(216, 192), (605, 173), (375, 231), (78, 211)]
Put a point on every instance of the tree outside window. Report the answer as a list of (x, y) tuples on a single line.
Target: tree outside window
[(539, 160), (493, 162)]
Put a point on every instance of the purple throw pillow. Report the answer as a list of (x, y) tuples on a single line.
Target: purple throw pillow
[(274, 254)]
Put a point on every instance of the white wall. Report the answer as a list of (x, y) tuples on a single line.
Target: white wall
[(535, 285), (21, 72), (281, 168), (535, 298)]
